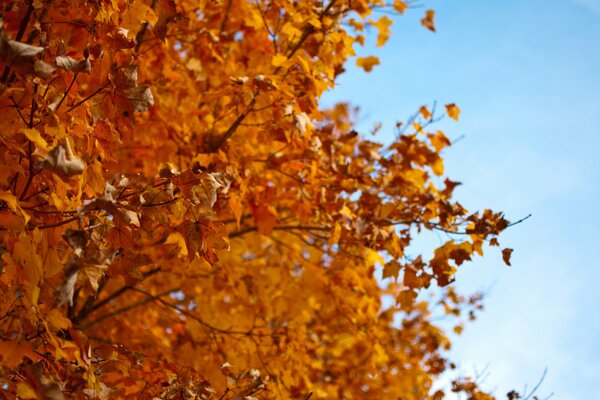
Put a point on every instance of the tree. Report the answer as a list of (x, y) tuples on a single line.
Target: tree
[(180, 219)]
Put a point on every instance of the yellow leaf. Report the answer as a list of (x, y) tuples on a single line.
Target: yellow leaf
[(178, 239), (37, 139), (13, 204), (367, 63), (427, 21), (438, 167), (24, 391), (346, 212), (135, 14), (25, 253), (58, 320), (335, 235), (400, 6), (291, 31), (439, 141), (235, 203), (453, 111), (383, 26), (373, 257), (279, 60)]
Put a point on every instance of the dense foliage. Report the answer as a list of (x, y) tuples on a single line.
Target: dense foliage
[(179, 218)]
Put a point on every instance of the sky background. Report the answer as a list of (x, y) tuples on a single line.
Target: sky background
[(526, 75)]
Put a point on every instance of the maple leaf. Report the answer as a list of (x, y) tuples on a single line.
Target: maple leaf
[(391, 269)]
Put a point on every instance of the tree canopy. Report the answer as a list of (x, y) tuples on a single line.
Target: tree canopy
[(179, 218)]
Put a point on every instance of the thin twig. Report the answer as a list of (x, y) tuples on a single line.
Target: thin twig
[(89, 308), (127, 308), (67, 91), (201, 321), (231, 130), (20, 33), (88, 97), (281, 228), (59, 223), (438, 228)]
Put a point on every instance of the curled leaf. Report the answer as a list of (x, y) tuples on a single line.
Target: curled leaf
[(71, 64), (23, 57), (132, 97), (63, 164)]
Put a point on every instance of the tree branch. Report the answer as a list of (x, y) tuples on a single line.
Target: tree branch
[(90, 307), (127, 308), (281, 228), (231, 130), (20, 33), (438, 228), (201, 321), (74, 106)]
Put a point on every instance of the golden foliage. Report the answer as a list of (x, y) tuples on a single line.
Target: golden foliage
[(180, 219)]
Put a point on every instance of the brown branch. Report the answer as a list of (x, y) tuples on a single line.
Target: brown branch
[(161, 203), (201, 321), (90, 307), (19, 111), (88, 97), (30, 144), (225, 16), (20, 33), (31, 174), (231, 130), (280, 228), (468, 232), (140, 35), (67, 91), (127, 308), (59, 223), (308, 30)]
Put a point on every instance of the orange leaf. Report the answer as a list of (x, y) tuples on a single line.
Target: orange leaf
[(391, 269), (506, 255), (427, 21), (453, 111), (367, 63), (425, 112)]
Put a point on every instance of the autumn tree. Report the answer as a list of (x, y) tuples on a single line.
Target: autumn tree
[(180, 219)]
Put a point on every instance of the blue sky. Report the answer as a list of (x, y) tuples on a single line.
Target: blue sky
[(526, 75)]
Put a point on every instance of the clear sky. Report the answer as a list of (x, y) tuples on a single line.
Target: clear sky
[(526, 74)]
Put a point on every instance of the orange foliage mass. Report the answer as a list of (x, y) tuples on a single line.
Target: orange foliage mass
[(179, 218)]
